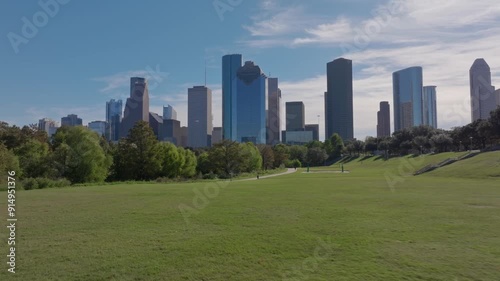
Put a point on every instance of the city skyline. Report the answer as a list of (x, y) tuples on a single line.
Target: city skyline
[(78, 77)]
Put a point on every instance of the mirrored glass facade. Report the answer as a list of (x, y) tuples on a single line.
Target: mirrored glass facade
[(407, 91)]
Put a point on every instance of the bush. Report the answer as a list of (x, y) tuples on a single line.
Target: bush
[(29, 184), (210, 176), (41, 183)]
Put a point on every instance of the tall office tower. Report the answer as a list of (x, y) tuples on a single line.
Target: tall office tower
[(216, 135), (251, 99), (47, 125), (171, 131), (156, 123), (273, 112), (384, 120), (200, 117), (169, 113), (497, 92), (99, 127), (339, 116), (295, 116), (230, 66), (314, 128), (114, 110), (71, 120), (429, 106), (407, 92), (482, 93), (137, 106), (184, 135)]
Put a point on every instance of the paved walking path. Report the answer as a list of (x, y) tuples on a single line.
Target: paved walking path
[(289, 171)]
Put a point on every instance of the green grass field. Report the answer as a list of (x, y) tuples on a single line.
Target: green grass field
[(443, 225)]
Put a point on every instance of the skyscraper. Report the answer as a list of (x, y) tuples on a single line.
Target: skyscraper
[(273, 112), (114, 111), (482, 93), (216, 135), (295, 116), (497, 92), (430, 106), (47, 125), (171, 131), (250, 115), (230, 66), (339, 116), (407, 92), (137, 106), (99, 127), (200, 117), (169, 113), (71, 120), (384, 120), (314, 128), (156, 123)]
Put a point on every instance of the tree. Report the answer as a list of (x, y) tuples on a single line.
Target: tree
[(226, 158), (8, 162), (204, 166), (188, 169), (79, 157), (267, 154), (251, 156), (298, 152), (281, 155), (441, 142), (145, 157), (370, 145), (171, 160), (316, 156), (34, 158), (337, 145)]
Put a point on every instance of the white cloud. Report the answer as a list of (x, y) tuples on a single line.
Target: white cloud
[(442, 37)]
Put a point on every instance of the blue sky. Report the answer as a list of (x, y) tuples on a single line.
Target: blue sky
[(86, 51)]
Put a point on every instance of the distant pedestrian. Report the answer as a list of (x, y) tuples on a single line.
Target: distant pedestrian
[(257, 176)]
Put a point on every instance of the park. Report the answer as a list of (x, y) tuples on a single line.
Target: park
[(322, 225)]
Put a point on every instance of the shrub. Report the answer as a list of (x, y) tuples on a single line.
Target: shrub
[(29, 184)]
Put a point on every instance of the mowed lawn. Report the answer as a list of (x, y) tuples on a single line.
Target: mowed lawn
[(316, 226)]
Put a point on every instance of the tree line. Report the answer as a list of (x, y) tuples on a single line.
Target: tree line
[(78, 155)]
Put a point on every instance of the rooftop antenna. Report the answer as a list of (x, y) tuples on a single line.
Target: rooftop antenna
[(205, 72)]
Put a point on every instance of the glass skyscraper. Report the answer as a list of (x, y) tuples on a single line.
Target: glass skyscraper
[(114, 109), (407, 93), (230, 66), (339, 115), (430, 106), (250, 115), (482, 93)]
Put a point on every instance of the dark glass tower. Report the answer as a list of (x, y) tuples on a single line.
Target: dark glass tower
[(137, 106), (250, 117), (230, 66), (295, 116), (430, 106), (339, 117), (407, 90), (384, 120), (114, 109)]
